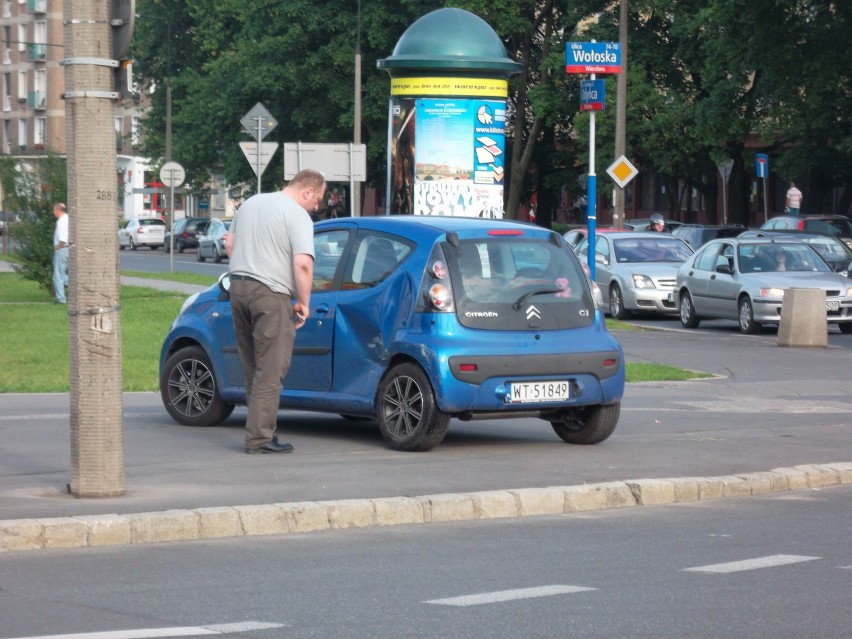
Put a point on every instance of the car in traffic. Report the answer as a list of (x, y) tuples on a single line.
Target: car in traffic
[(576, 235), (415, 320), (833, 224), (211, 244), (745, 280), (142, 231), (636, 270), (186, 231), (830, 248), (697, 235), (643, 223)]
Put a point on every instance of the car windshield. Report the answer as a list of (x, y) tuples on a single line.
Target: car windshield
[(497, 276), (777, 258), (830, 248), (663, 249)]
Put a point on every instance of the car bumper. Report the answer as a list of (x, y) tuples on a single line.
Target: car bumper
[(769, 312), (650, 300)]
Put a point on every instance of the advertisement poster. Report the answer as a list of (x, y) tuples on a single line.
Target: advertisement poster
[(447, 156)]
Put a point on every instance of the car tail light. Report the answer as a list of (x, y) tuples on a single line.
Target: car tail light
[(468, 368), (184, 235), (440, 297), (439, 270), (801, 225), (505, 232)]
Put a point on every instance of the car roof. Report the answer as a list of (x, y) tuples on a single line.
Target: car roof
[(432, 225)]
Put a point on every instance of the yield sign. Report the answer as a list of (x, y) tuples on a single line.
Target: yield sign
[(259, 157), (258, 122)]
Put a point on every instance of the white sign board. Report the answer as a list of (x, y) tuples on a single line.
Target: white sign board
[(258, 122), (337, 162), (172, 174), (266, 150)]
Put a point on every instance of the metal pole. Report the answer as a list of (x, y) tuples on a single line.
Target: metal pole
[(257, 162), (621, 112), (355, 186), (172, 222), (591, 195), (724, 200), (765, 204)]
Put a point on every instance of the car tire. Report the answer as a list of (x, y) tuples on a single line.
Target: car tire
[(616, 303), (120, 246), (131, 244), (217, 257), (180, 247), (845, 327), (166, 247), (153, 247), (688, 318), (188, 389), (746, 317), (408, 416), (198, 255), (588, 424)]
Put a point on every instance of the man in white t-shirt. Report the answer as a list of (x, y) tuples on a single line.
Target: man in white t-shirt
[(60, 253), (793, 203)]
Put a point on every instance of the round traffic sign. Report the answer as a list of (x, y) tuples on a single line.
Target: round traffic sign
[(172, 174)]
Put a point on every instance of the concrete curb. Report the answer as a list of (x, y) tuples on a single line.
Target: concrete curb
[(302, 517)]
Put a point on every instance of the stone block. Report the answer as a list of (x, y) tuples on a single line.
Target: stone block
[(648, 492), (350, 513), (819, 475), (65, 532), (107, 530), (305, 516), (169, 525), (394, 511), (803, 319), (686, 489), (540, 501), (448, 508), (493, 504), (214, 523), (262, 520), (21, 534)]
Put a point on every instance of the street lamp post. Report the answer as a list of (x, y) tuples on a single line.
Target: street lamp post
[(356, 138)]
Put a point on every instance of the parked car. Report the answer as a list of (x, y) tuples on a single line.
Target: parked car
[(745, 280), (142, 231), (697, 235), (641, 224), (636, 270), (830, 248), (186, 232), (415, 320), (837, 225), (576, 235), (212, 243)]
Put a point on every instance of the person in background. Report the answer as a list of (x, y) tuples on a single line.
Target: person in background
[(60, 253), (271, 261), (657, 223), (793, 201)]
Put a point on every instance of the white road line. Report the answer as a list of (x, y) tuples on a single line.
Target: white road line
[(507, 595), (178, 631), (753, 564)]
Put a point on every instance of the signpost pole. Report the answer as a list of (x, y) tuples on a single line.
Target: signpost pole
[(259, 138), (172, 223), (591, 195)]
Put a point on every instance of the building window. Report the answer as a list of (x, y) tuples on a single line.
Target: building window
[(22, 37), (134, 131), (22, 133), (7, 136), (22, 85), (7, 91), (40, 132), (119, 124), (7, 8)]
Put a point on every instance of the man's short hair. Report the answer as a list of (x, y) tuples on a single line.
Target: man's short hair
[(309, 178)]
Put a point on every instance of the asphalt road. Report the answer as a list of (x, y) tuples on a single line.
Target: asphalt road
[(761, 567)]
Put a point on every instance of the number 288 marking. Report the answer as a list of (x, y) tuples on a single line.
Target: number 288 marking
[(106, 195)]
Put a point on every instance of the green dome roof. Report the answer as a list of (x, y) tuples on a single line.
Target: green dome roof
[(450, 39)]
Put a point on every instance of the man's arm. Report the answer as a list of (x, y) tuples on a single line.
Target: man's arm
[(303, 271), (228, 242)]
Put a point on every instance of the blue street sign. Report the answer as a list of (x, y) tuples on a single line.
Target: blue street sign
[(761, 165), (592, 95), (592, 57)]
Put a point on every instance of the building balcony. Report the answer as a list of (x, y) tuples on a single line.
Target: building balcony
[(36, 100), (37, 6), (36, 52)]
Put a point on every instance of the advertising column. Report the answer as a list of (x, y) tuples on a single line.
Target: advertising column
[(447, 117)]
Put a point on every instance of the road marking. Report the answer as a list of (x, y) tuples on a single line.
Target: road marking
[(178, 631), (507, 595), (753, 564)]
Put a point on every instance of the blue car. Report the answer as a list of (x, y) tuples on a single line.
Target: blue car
[(415, 320)]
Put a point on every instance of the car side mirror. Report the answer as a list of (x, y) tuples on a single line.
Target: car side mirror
[(225, 282), (724, 268), (600, 259)]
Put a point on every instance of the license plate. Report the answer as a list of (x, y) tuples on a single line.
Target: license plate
[(534, 392), (832, 306)]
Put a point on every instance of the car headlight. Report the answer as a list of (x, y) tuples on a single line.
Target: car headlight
[(849, 292), (642, 281), (772, 292)]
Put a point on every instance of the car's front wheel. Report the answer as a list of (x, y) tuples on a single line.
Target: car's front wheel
[(188, 389), (616, 303), (199, 256), (746, 315), (588, 424), (845, 327), (131, 243), (687, 311), (409, 418), (217, 256)]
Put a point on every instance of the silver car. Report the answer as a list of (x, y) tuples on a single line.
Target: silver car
[(142, 231), (745, 280), (212, 244), (636, 271)]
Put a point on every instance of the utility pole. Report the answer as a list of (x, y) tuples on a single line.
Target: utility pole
[(94, 319), (621, 112)]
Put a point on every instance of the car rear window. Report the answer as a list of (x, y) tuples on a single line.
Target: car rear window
[(513, 283), (151, 222), (664, 249)]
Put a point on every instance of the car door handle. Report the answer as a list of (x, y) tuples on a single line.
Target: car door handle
[(322, 309)]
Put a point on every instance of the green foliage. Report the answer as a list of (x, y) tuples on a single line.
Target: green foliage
[(32, 188)]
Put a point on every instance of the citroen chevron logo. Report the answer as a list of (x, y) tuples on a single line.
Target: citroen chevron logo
[(532, 311)]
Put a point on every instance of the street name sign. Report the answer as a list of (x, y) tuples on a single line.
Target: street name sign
[(592, 95), (593, 57)]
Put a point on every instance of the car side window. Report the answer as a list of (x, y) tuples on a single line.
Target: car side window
[(706, 259), (602, 248), (374, 257), (328, 251)]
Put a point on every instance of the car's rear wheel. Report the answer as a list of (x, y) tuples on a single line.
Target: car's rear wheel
[(616, 303), (687, 311), (153, 247), (588, 424), (188, 389), (746, 315), (181, 247), (217, 257), (131, 243), (408, 416), (845, 327), (199, 256)]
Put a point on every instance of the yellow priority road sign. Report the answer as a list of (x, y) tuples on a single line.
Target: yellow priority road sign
[(622, 171)]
